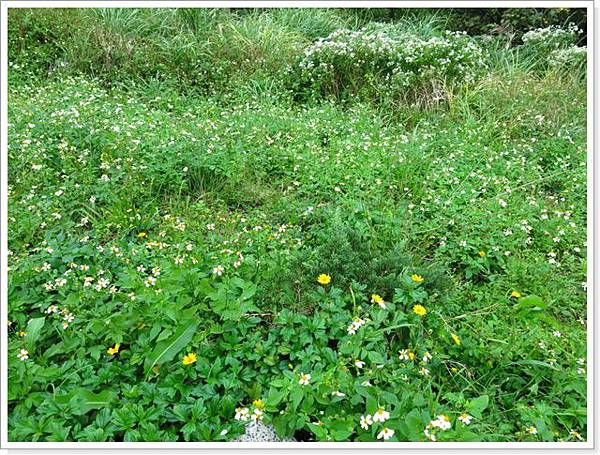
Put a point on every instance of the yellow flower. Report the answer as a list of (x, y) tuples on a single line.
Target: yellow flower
[(420, 310), (114, 350), (516, 294), (260, 404), (456, 339), (481, 253), (376, 298), (190, 358), (454, 369), (324, 279), (411, 356), (142, 234), (416, 278), (21, 333)]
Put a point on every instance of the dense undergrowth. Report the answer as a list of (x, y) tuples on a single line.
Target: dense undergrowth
[(350, 226)]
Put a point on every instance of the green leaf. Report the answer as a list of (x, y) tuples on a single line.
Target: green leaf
[(274, 397), (33, 331), (478, 405), (296, 396), (82, 400), (166, 350), (319, 431), (371, 405)]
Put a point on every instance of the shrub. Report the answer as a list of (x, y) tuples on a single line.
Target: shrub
[(542, 44), (386, 59), (572, 58), (548, 39)]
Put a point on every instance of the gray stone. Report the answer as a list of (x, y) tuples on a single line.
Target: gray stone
[(258, 431)]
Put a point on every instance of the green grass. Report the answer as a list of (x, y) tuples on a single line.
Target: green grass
[(173, 218)]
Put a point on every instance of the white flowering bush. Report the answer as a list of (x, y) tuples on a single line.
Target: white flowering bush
[(385, 59), (573, 57), (554, 45)]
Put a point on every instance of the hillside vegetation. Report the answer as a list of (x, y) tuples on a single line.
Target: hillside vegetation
[(355, 225)]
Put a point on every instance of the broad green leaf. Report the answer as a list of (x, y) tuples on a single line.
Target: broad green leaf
[(319, 431), (296, 396), (33, 331), (477, 405), (166, 350), (82, 400)]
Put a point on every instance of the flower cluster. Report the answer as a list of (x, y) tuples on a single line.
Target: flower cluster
[(441, 423), (398, 61)]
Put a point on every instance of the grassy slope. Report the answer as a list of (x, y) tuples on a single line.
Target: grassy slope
[(297, 190)]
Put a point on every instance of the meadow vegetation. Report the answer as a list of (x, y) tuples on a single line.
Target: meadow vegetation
[(355, 225)]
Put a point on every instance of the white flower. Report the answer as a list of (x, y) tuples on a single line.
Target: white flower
[(23, 355), (150, 281), (386, 434), (502, 203), (359, 363), (46, 267), (430, 436), (218, 270), (366, 384), (258, 415), (424, 371), (465, 418), (242, 414), (442, 422), (224, 432), (304, 379), (403, 354), (365, 422), (427, 357), (531, 430), (210, 227), (381, 415), (337, 393), (557, 334)]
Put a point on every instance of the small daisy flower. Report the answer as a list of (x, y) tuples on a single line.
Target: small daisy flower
[(381, 415), (365, 422), (242, 414), (376, 298), (23, 355), (465, 418), (386, 434), (304, 379)]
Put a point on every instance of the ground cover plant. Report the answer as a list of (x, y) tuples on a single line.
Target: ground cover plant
[(354, 225)]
